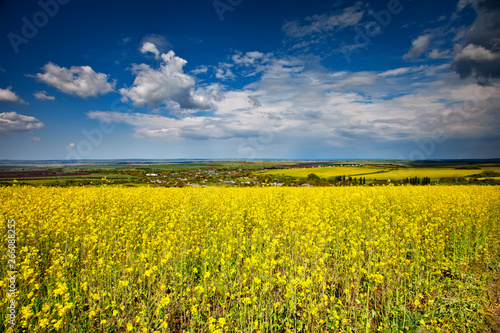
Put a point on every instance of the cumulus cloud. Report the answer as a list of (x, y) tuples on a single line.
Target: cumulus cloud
[(476, 53), (480, 50), (12, 123), (42, 95), (485, 30), (151, 48), (159, 42), (477, 61), (418, 46), (166, 85), (81, 81), (7, 95)]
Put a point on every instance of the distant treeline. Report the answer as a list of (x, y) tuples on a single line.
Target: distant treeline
[(486, 174)]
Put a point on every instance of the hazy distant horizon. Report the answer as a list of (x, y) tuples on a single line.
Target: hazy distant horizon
[(184, 160)]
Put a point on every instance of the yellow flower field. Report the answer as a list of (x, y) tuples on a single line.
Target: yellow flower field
[(372, 173), (354, 259)]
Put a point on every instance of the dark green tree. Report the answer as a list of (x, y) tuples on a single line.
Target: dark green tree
[(313, 177)]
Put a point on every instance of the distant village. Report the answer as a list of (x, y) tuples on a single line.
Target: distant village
[(232, 174), (206, 177)]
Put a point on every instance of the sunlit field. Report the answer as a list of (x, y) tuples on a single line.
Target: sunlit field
[(324, 172), (354, 259), (433, 173), (371, 173)]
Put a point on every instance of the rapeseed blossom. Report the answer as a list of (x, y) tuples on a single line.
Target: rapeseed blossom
[(252, 259)]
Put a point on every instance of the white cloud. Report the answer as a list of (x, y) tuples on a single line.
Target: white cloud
[(151, 48), (474, 92), (157, 126), (247, 64), (223, 72), (200, 70), (7, 95), (281, 68), (43, 96), (356, 79), (316, 33), (402, 71), (81, 81), (477, 53), (464, 3), (159, 42), (13, 123), (437, 54), (477, 61), (418, 46), (167, 84), (249, 58), (318, 24), (340, 109)]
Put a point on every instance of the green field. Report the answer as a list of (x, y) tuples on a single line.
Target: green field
[(64, 180), (325, 172), (180, 166), (90, 176)]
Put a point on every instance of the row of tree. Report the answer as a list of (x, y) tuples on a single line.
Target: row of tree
[(417, 180), (360, 180)]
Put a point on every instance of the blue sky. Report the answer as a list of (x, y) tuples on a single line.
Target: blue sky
[(249, 79)]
